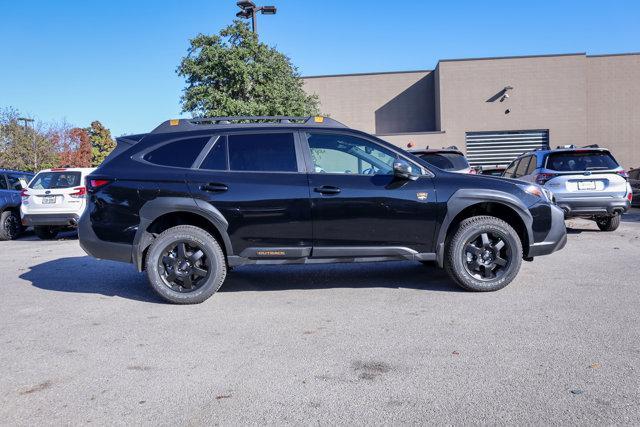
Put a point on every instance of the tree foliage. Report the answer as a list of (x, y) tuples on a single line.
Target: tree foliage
[(101, 142), (234, 74)]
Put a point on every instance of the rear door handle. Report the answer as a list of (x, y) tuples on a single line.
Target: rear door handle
[(327, 189), (214, 187)]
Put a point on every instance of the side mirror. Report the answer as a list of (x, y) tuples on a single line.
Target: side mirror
[(403, 169)]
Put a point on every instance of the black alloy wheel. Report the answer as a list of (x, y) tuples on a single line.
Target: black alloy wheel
[(184, 266), (487, 256)]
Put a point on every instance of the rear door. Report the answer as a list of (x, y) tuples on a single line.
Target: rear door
[(256, 179)]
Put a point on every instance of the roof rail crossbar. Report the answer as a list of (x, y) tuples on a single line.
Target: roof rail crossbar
[(193, 123)]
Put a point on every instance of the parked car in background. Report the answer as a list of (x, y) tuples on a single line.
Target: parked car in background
[(449, 159), (586, 182), (11, 183), (634, 181), (493, 170), (196, 196), (54, 200)]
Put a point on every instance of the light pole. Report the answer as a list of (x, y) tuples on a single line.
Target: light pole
[(26, 120), (250, 10)]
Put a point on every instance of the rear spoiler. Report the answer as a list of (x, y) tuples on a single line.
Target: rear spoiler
[(123, 144)]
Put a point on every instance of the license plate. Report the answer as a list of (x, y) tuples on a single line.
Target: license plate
[(586, 185), (48, 200)]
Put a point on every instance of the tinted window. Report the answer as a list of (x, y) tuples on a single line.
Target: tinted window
[(335, 153), (217, 157), (271, 152), (533, 164), (51, 180), (570, 161), (181, 153), (3, 183), (446, 161), (18, 181), (522, 167), (511, 169)]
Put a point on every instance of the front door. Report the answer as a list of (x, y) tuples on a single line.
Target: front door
[(257, 181), (358, 202)]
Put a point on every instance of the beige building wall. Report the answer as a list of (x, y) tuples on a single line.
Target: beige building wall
[(613, 106), (548, 93)]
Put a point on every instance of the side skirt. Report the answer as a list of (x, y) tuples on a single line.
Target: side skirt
[(327, 254)]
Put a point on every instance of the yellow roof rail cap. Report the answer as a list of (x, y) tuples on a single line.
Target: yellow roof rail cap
[(174, 122), (318, 119)]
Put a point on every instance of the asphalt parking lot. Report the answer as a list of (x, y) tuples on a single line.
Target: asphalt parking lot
[(86, 341)]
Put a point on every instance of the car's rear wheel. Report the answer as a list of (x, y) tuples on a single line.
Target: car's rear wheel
[(610, 223), (185, 265), (10, 225), (484, 254), (46, 232)]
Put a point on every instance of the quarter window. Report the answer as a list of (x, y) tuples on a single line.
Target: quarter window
[(180, 154), (346, 154), (262, 152)]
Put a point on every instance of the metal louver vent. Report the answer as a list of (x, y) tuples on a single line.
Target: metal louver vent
[(501, 147)]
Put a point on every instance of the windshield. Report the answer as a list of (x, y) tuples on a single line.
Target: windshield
[(576, 161), (51, 180), (446, 161)]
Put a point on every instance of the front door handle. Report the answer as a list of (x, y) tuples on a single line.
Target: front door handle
[(214, 187), (327, 189)]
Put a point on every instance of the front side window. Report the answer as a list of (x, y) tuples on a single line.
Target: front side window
[(3, 183), (346, 154), (510, 171), (53, 180), (262, 152), (180, 154)]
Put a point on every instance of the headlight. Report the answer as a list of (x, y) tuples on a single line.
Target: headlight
[(536, 190)]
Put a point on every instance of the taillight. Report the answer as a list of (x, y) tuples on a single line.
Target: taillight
[(630, 196), (80, 192), (542, 178), (97, 183), (24, 195), (623, 174)]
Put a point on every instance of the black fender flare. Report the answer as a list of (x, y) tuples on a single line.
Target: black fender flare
[(463, 198), (155, 208)]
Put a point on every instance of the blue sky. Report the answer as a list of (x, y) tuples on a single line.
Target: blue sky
[(115, 60)]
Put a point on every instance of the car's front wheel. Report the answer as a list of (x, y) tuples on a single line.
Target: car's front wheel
[(185, 265), (610, 223), (10, 225), (46, 232), (483, 254)]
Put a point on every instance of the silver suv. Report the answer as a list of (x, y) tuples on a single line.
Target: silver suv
[(586, 182)]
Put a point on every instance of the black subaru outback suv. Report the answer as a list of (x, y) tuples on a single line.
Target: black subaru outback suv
[(195, 197)]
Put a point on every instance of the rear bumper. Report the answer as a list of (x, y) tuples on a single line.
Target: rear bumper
[(92, 245), (59, 219), (593, 206), (556, 238)]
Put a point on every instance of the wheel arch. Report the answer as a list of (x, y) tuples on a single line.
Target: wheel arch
[(465, 203), (162, 213)]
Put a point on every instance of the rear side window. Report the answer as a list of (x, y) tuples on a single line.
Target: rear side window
[(262, 152), (533, 164), (179, 154), (18, 181), (217, 157), (521, 170), (52, 180), (576, 161), (446, 161)]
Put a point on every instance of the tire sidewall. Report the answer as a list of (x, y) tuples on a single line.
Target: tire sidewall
[(210, 247), (7, 232), (457, 247)]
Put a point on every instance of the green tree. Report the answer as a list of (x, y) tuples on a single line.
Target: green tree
[(17, 144), (234, 74), (101, 142)]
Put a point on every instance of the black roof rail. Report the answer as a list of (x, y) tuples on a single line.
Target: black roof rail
[(591, 146), (178, 125), (560, 147), (451, 147)]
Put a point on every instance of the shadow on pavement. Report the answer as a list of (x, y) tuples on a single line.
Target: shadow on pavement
[(88, 275)]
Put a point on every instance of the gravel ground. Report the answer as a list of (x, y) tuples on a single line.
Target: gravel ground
[(86, 341)]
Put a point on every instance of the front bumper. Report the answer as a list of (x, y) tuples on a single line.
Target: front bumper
[(593, 206), (556, 238), (94, 246), (57, 219)]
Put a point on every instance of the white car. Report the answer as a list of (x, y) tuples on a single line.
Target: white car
[(54, 200)]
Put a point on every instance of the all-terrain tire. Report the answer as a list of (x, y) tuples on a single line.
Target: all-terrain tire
[(194, 236), (610, 223), (46, 232), (10, 225), (456, 257)]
